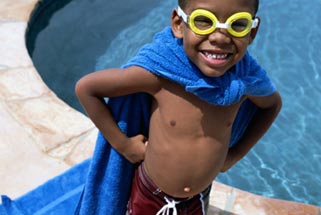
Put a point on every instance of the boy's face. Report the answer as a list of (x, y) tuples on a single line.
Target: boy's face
[(217, 52)]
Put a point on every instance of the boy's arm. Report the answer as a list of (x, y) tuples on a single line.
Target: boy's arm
[(269, 107), (93, 88)]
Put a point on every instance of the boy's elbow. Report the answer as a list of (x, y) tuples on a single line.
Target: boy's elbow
[(224, 170), (271, 103), (80, 88), (278, 103)]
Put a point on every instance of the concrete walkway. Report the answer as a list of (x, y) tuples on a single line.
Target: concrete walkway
[(41, 136)]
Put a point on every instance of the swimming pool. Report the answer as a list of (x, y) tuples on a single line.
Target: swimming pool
[(286, 162)]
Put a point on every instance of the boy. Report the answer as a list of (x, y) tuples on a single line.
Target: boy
[(188, 143)]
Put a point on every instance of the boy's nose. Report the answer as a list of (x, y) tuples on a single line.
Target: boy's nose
[(219, 36)]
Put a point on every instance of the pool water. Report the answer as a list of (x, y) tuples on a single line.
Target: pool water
[(285, 164), (73, 34)]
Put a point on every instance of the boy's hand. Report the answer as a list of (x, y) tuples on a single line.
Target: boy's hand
[(135, 149)]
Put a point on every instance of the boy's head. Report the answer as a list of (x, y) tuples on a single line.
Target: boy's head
[(215, 33)]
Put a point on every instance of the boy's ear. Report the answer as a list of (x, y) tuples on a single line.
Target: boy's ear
[(177, 23), (254, 31)]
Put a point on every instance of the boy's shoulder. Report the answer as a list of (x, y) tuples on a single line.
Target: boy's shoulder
[(253, 76)]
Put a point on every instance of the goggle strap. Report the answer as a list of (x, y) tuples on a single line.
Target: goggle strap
[(222, 25), (181, 13), (255, 23)]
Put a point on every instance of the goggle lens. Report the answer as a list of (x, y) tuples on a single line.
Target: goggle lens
[(240, 25), (203, 22)]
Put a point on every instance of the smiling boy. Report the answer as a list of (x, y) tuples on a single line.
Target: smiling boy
[(188, 143)]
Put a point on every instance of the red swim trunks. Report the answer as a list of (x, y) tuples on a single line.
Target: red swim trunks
[(147, 199)]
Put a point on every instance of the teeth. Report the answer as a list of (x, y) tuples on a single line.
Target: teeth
[(215, 56)]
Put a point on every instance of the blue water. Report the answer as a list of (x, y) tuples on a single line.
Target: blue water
[(286, 162), (88, 35)]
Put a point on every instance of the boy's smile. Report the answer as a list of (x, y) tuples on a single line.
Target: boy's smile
[(217, 52), (215, 58)]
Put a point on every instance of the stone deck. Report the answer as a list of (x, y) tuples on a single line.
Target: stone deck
[(41, 136)]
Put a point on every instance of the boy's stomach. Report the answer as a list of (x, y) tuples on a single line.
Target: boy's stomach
[(184, 168)]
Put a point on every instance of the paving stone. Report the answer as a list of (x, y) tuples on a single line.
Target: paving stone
[(21, 84), (84, 147), (16, 9), (78, 149), (49, 120), (22, 165), (13, 53)]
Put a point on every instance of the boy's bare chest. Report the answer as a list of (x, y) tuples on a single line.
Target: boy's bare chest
[(181, 110)]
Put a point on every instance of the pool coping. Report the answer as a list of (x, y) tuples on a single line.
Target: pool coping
[(43, 136)]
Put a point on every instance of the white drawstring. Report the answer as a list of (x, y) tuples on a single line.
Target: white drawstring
[(166, 208)]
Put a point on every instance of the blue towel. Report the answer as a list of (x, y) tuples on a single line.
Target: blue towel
[(166, 57), (107, 186), (59, 195)]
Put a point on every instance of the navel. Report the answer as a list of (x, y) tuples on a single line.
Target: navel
[(187, 189)]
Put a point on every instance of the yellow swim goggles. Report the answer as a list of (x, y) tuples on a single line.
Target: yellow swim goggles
[(204, 22)]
